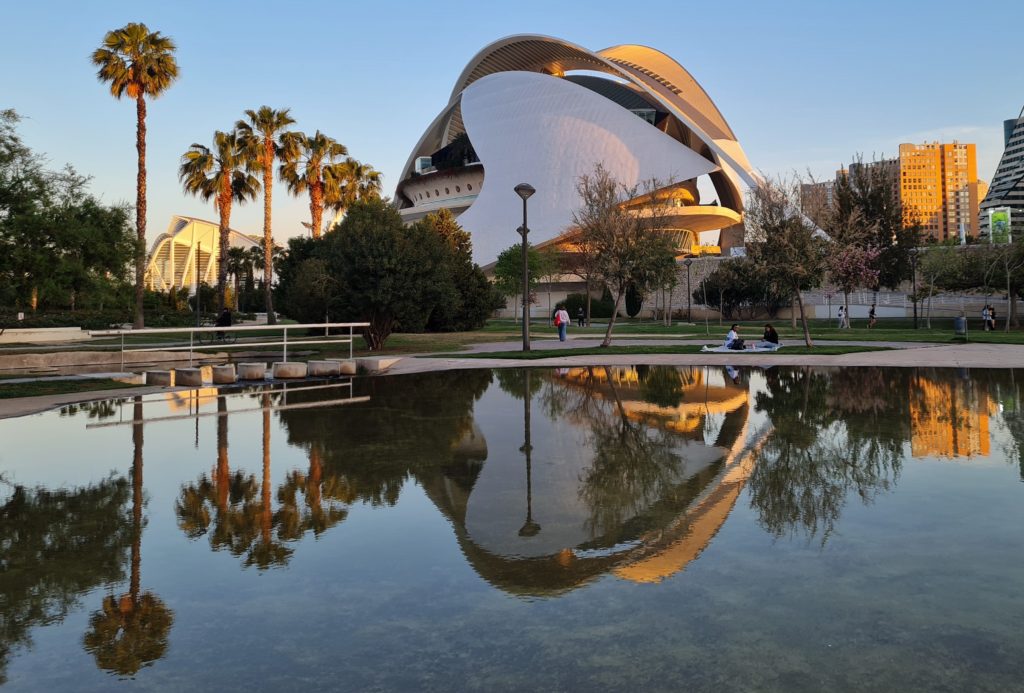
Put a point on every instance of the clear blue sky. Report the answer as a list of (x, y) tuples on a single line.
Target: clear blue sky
[(803, 84)]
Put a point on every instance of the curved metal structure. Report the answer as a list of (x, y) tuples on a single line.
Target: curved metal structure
[(543, 110), (186, 255)]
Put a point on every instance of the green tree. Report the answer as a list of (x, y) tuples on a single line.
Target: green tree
[(137, 63), (508, 273), (239, 266), (629, 249), (783, 244), (263, 137), (470, 299), (387, 274), (219, 174)]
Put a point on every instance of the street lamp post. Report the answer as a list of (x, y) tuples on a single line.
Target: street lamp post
[(199, 282), (913, 270), (524, 190), (689, 295)]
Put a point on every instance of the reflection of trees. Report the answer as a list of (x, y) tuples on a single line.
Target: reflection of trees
[(827, 441), (57, 545), (130, 631), (100, 409), (634, 466), (662, 385), (410, 427), (239, 509)]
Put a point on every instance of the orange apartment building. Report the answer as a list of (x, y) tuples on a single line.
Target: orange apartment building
[(939, 188)]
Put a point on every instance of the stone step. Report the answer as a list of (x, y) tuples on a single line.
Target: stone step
[(289, 369), (252, 371)]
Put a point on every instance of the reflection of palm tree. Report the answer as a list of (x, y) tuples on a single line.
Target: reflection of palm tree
[(130, 632), (266, 552), (292, 521)]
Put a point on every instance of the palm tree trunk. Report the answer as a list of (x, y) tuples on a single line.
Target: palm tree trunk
[(265, 516), (140, 211), (223, 470), (224, 207), (268, 238), (316, 208)]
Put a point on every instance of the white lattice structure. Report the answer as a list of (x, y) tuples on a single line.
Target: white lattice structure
[(187, 254)]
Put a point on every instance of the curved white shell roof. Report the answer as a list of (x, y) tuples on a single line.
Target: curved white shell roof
[(545, 131), (518, 136)]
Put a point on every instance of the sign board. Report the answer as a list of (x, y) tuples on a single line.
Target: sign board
[(999, 225), (738, 251)]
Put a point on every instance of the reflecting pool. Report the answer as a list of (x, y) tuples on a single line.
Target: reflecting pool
[(605, 528)]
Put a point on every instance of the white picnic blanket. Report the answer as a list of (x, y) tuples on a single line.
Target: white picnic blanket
[(753, 349)]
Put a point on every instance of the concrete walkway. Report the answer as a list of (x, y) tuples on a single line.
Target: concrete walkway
[(901, 355)]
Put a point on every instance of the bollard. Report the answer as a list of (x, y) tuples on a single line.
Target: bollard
[(224, 375), (252, 371), (322, 369), (285, 370), (188, 377), (162, 378)]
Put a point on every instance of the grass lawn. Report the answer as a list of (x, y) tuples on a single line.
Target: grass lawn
[(56, 386), (644, 350)]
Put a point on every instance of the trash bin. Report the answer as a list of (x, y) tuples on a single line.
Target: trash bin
[(960, 325)]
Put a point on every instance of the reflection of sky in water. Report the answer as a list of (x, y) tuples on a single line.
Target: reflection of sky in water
[(914, 587)]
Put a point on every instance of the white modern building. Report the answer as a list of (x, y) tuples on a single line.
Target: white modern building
[(186, 255), (540, 110), (1007, 189)]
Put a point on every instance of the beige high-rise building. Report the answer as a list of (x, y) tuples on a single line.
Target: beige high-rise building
[(939, 188)]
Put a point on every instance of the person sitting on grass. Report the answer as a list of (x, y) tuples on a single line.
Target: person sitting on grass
[(769, 338), (732, 340)]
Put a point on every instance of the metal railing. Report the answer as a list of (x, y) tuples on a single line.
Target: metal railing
[(220, 344)]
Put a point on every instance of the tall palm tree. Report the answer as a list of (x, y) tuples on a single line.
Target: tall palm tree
[(137, 63), (218, 174), (312, 164), (264, 135)]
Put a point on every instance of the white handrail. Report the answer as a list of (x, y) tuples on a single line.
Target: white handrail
[(192, 346)]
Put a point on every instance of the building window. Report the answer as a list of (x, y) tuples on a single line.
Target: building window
[(458, 189), (469, 186), (437, 192), (447, 191)]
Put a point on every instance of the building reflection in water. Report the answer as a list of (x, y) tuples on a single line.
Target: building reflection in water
[(641, 493), (949, 415)]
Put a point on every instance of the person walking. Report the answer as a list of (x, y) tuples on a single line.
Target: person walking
[(581, 317), (985, 315), (992, 318), (842, 317), (871, 317), (562, 322)]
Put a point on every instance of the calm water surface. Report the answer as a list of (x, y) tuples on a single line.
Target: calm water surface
[(641, 528)]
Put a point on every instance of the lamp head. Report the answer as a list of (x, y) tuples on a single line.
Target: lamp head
[(688, 261), (524, 190)]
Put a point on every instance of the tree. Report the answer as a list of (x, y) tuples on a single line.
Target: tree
[(59, 246), (218, 174), (850, 267), (263, 137), (508, 273), (387, 274), (867, 195), (783, 244), (628, 249), (239, 265), (311, 164), (469, 297), (137, 63)]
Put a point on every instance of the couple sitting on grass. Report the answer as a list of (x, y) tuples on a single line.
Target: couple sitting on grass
[(769, 339)]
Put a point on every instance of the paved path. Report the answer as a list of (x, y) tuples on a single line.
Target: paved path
[(902, 354)]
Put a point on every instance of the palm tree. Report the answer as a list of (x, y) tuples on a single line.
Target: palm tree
[(310, 164), (264, 136), (360, 182), (217, 174), (137, 63), (239, 264)]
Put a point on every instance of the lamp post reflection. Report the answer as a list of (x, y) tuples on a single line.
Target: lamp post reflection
[(529, 528), (689, 295)]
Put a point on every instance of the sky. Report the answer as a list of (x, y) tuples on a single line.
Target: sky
[(805, 85)]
